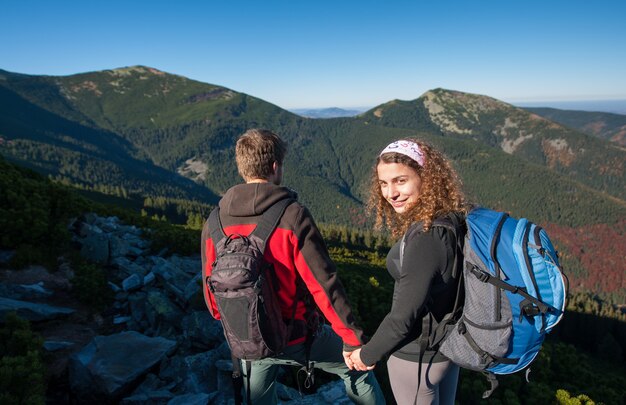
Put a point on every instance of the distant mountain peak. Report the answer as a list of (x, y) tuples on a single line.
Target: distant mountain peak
[(477, 102), (128, 70), (462, 113)]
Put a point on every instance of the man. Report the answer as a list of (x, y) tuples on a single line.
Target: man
[(298, 255)]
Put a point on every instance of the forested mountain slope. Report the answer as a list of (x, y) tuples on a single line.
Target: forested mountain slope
[(164, 139), (584, 158), (608, 126)]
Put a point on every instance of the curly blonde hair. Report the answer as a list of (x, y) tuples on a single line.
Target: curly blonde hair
[(440, 194)]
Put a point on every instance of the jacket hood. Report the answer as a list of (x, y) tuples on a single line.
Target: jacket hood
[(252, 199)]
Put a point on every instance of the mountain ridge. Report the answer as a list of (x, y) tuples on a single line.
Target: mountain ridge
[(608, 126), (176, 123), (147, 133), (513, 130)]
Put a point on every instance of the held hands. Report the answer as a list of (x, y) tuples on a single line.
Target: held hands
[(353, 361)]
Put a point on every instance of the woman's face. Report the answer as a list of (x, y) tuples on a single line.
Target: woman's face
[(399, 184)]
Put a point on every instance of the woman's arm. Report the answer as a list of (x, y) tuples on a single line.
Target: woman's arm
[(424, 255)]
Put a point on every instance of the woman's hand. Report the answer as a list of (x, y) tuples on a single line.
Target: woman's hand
[(355, 358)]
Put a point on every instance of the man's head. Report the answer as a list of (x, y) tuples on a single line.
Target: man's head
[(260, 154)]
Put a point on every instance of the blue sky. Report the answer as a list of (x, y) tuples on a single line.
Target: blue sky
[(310, 54)]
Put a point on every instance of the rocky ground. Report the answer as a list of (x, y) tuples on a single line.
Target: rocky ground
[(156, 344)]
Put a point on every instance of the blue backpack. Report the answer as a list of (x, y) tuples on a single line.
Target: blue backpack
[(514, 294)]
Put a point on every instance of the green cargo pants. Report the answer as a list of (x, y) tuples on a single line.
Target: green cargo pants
[(326, 354)]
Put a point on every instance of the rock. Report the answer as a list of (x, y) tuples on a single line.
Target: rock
[(37, 289), (285, 393), (121, 247), (133, 282), (149, 398), (95, 248), (114, 287), (149, 278), (66, 271), (128, 267), (153, 383), (131, 233), (333, 393), (53, 346), (190, 265), (90, 218), (159, 308), (108, 367), (159, 296), (202, 330), (109, 224), (36, 274), (81, 229), (137, 305), (194, 374), (193, 287), (121, 319), (6, 256), (32, 311), (168, 271), (24, 291), (192, 399)]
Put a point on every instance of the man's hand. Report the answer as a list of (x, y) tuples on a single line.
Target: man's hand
[(346, 358), (355, 359)]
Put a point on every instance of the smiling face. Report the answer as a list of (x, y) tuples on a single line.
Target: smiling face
[(399, 184)]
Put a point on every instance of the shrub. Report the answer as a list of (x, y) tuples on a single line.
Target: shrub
[(22, 371), (90, 284)]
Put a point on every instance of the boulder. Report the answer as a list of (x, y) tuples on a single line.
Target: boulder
[(132, 282), (127, 267), (161, 310), (32, 311), (121, 247), (110, 366), (6, 256), (24, 291), (95, 248), (194, 374), (53, 345), (149, 398), (202, 330), (192, 399)]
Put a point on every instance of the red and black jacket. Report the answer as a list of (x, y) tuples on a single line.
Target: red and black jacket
[(295, 248)]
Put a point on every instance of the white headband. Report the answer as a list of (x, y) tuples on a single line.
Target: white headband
[(407, 148)]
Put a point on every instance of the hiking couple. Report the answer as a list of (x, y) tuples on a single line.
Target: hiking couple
[(412, 183)]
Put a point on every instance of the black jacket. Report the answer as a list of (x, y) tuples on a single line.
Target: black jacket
[(423, 285)]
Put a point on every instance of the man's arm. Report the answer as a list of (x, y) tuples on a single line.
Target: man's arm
[(208, 257), (319, 274)]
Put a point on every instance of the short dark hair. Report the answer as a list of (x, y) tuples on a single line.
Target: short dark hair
[(256, 151)]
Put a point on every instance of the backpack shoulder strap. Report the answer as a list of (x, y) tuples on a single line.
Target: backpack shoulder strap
[(215, 226), (459, 230), (447, 223), (415, 227), (269, 220)]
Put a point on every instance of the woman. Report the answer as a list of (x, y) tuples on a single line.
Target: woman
[(414, 185)]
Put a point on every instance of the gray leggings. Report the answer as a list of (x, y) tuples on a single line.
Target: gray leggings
[(437, 385)]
